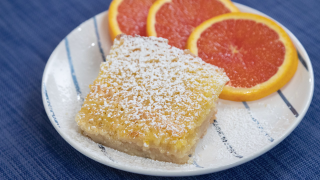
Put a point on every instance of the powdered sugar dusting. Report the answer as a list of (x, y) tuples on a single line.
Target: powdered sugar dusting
[(235, 122), (243, 133), (150, 91), (271, 112)]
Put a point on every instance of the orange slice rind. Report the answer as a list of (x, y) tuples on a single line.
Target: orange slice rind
[(156, 6), (284, 73), (151, 19), (114, 28), (128, 17)]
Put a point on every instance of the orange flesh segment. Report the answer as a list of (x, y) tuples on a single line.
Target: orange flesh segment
[(176, 20), (132, 16), (249, 52)]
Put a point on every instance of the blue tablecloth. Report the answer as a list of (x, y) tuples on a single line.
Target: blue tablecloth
[(30, 148)]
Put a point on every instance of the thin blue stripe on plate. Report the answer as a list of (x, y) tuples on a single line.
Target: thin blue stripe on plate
[(73, 74)]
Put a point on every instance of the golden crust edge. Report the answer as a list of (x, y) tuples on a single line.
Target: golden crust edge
[(153, 151)]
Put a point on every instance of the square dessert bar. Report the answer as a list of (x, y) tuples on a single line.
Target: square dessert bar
[(151, 99)]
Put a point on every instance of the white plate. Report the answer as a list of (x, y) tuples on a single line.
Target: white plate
[(244, 130)]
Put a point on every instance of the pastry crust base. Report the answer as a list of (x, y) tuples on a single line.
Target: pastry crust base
[(152, 151)]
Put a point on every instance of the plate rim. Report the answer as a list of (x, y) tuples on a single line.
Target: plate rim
[(195, 171)]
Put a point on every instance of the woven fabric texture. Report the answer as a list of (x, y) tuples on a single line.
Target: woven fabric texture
[(30, 147)]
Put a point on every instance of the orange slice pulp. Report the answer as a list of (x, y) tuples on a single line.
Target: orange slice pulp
[(255, 52), (129, 17), (175, 19)]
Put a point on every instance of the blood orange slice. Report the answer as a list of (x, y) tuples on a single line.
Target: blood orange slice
[(175, 19), (256, 53), (129, 17)]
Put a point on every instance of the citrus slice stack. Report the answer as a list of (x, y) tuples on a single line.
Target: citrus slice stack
[(175, 19), (129, 17), (255, 52)]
